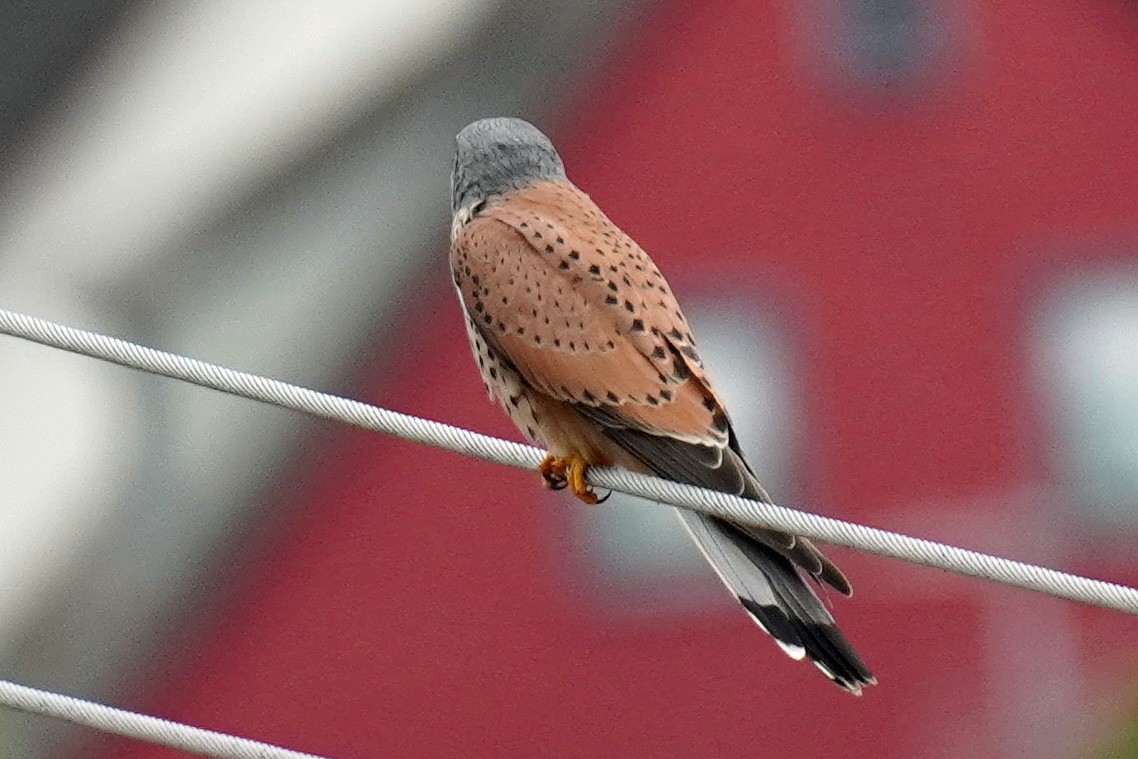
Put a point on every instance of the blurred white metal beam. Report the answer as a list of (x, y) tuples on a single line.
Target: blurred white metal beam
[(194, 103), (263, 203), (192, 106)]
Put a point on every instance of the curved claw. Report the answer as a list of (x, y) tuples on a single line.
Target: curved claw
[(552, 471), (558, 472), (575, 474)]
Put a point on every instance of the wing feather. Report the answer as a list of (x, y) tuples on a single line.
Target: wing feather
[(578, 337), (585, 317)]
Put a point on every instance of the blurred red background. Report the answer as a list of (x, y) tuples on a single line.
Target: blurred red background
[(913, 217)]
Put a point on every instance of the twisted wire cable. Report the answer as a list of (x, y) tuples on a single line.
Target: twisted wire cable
[(131, 725), (266, 390), (835, 531)]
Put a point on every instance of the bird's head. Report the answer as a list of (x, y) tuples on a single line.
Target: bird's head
[(495, 156)]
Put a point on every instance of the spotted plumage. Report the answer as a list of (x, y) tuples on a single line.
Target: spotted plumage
[(580, 338)]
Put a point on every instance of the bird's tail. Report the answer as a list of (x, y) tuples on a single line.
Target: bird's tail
[(777, 597)]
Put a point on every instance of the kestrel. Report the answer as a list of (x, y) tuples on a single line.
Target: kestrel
[(580, 338)]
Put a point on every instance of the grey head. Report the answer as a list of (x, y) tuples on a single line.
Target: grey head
[(494, 156)]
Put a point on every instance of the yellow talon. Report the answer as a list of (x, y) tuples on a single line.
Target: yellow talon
[(552, 471), (577, 483), (558, 472)]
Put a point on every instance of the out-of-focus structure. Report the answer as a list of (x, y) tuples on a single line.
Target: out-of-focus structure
[(906, 231)]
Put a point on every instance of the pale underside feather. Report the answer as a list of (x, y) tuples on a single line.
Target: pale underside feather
[(591, 328)]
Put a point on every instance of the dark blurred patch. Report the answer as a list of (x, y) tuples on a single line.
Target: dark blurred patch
[(41, 44)]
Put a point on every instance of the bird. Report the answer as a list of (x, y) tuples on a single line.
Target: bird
[(580, 338)]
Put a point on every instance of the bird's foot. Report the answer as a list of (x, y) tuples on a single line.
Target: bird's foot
[(552, 471), (559, 472)]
